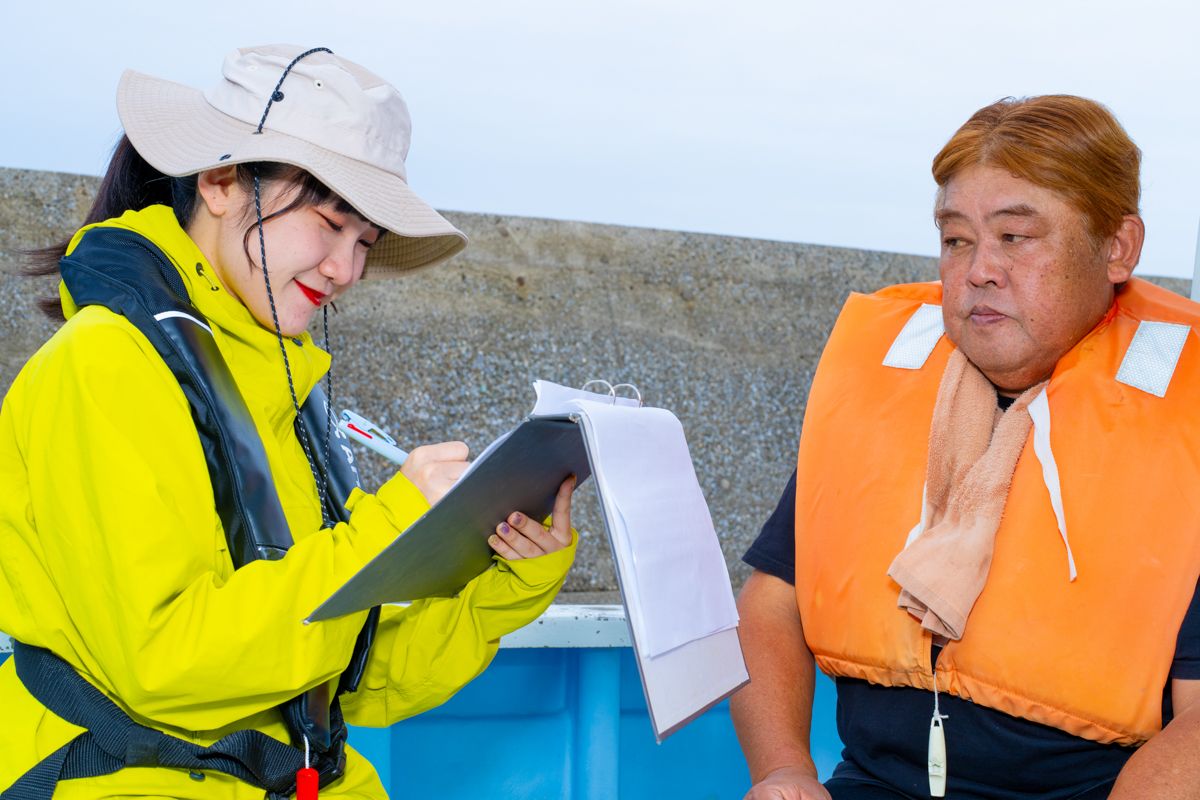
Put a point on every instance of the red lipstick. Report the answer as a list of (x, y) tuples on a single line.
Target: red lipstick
[(313, 295)]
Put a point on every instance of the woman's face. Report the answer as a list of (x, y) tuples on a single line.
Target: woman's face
[(314, 252)]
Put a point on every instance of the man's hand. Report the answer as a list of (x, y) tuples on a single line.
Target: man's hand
[(433, 468), (773, 714), (788, 783)]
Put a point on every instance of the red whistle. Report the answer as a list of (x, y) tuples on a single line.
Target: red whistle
[(307, 781)]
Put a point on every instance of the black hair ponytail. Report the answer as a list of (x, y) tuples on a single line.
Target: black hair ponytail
[(129, 184)]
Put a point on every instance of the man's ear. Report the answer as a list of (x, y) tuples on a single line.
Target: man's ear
[(218, 189), (1125, 248)]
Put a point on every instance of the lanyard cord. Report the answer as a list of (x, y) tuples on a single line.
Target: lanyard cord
[(318, 476), (328, 389), (937, 714)]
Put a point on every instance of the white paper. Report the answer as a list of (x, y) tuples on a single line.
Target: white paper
[(672, 570), (678, 569), (685, 682)]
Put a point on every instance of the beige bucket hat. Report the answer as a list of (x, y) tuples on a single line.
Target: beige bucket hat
[(345, 125)]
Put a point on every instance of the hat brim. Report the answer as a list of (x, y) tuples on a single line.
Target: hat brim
[(175, 129)]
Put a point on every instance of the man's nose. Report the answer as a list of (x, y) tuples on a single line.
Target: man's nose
[(988, 266)]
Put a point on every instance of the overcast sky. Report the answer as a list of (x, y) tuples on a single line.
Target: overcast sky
[(799, 121)]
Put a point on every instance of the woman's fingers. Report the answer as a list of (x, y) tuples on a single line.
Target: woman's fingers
[(434, 468), (528, 538), (560, 523), (536, 533), (503, 548), (517, 537), (447, 451)]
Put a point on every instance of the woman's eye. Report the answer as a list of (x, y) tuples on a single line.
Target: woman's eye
[(366, 244), (336, 228)]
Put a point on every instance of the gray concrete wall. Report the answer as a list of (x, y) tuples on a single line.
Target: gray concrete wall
[(723, 331)]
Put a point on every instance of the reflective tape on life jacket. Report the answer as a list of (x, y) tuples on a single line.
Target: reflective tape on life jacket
[(916, 340), (1150, 361)]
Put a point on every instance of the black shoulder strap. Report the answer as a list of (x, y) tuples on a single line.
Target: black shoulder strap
[(335, 461), (122, 271), (342, 477)]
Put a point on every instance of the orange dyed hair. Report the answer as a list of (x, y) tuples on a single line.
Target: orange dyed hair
[(1068, 144)]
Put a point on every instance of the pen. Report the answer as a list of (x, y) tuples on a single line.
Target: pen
[(362, 430)]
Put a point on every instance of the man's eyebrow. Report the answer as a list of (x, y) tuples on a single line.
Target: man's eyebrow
[(946, 214), (1019, 210), (943, 215)]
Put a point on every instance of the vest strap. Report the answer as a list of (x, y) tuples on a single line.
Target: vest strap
[(113, 741), (126, 273), (917, 338), (1039, 410)]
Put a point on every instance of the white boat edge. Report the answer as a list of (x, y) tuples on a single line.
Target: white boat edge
[(572, 626)]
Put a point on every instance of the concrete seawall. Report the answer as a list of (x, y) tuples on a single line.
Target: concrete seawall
[(723, 331)]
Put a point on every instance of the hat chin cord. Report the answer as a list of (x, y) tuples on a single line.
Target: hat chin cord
[(318, 476), (276, 93)]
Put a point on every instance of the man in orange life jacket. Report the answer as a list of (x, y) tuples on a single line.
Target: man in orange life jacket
[(992, 540)]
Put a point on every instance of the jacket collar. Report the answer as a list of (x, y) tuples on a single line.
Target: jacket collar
[(251, 350)]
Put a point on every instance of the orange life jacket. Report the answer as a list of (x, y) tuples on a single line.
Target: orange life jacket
[(1089, 656)]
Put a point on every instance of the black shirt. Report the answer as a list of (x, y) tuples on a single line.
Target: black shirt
[(885, 730)]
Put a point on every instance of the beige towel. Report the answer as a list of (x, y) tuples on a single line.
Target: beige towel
[(973, 451)]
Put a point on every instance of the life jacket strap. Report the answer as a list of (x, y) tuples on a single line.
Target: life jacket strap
[(114, 741)]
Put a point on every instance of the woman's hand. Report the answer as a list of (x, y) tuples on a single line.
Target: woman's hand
[(433, 468), (522, 537)]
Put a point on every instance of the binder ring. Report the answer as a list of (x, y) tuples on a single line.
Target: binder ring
[(636, 391), (608, 387)]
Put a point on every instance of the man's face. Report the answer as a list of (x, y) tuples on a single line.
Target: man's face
[(1022, 281)]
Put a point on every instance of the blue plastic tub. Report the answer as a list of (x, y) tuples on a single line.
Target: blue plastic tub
[(567, 723)]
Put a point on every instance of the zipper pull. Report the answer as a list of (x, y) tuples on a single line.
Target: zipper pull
[(200, 271)]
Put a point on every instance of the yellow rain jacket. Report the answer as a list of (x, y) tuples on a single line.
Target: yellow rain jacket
[(112, 554)]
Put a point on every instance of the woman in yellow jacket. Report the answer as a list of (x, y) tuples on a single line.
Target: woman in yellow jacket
[(288, 183)]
